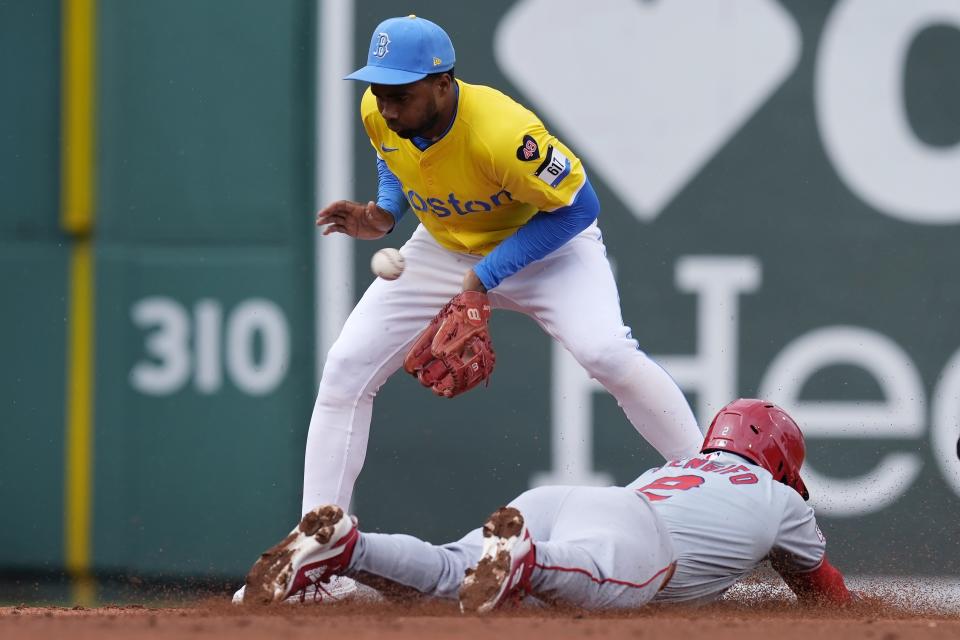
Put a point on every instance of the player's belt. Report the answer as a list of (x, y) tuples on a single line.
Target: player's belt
[(668, 575)]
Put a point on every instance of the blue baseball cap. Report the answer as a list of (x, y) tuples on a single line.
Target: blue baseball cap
[(404, 50)]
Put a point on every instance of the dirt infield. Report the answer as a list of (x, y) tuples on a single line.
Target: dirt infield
[(425, 621)]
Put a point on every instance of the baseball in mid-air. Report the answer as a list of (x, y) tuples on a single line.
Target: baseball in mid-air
[(387, 263)]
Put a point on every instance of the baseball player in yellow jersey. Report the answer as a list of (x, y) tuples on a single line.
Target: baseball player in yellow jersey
[(469, 189), (507, 219), (506, 214)]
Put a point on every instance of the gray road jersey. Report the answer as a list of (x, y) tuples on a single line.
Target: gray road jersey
[(725, 516)]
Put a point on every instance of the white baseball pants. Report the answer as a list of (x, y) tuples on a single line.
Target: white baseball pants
[(571, 293), (596, 547)]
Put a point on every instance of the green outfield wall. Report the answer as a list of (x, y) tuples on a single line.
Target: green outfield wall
[(33, 261), (202, 251), (780, 190)]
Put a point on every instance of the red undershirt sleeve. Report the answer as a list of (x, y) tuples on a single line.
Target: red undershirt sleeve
[(823, 585)]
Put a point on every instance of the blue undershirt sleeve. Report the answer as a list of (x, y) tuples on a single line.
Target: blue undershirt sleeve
[(389, 193), (541, 235)]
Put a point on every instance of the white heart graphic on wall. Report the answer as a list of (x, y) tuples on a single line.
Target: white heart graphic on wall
[(647, 92)]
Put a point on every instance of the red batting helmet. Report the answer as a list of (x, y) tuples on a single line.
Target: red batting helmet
[(763, 433)]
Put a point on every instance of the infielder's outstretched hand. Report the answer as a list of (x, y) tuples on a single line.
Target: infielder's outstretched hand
[(363, 221)]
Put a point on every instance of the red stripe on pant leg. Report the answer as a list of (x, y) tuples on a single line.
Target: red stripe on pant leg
[(605, 580)]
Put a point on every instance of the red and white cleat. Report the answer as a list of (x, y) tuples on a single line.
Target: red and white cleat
[(319, 548), (503, 572)]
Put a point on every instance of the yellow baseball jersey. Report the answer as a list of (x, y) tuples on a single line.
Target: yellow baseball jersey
[(494, 169)]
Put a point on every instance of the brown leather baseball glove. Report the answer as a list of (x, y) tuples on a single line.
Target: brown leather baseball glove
[(454, 353)]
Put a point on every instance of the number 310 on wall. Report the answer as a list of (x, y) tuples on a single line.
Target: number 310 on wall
[(254, 341)]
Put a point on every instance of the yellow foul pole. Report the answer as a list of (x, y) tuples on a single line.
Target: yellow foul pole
[(77, 217)]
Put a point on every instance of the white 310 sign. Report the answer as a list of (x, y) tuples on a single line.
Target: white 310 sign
[(180, 346)]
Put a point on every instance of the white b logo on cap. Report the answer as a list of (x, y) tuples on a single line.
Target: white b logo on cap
[(382, 41)]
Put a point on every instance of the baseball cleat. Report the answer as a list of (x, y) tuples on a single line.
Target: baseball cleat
[(339, 588), (506, 563), (317, 549)]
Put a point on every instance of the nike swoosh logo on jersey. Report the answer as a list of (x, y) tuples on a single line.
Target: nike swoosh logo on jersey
[(387, 149)]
